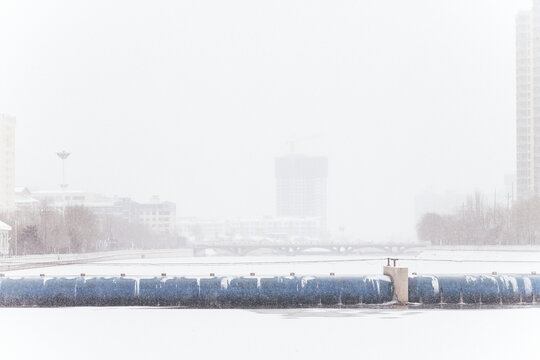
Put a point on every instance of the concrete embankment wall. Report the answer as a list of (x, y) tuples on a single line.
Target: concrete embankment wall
[(42, 261)]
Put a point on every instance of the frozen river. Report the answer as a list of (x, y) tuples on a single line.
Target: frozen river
[(429, 261), (160, 333), (143, 333)]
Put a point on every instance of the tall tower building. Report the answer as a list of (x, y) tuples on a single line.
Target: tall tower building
[(7, 162), (528, 102), (301, 187)]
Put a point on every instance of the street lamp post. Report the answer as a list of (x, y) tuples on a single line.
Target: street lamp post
[(63, 155)]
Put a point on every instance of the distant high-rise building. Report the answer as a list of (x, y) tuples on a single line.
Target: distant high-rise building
[(7, 162), (528, 102), (301, 187)]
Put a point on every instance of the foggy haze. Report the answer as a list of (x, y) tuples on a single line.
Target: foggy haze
[(193, 100)]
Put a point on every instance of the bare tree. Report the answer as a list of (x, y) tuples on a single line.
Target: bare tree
[(82, 228)]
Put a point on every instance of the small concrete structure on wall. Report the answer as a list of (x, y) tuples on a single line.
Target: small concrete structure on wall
[(400, 278), (5, 236)]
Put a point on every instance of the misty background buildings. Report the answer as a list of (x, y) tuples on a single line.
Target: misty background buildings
[(67, 220), (438, 118), (300, 214)]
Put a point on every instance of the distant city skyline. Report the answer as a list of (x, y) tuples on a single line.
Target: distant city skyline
[(193, 107)]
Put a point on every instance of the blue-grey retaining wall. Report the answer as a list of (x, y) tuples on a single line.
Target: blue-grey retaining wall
[(253, 292), (474, 289), (226, 292)]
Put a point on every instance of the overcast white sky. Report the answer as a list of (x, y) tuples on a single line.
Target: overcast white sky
[(191, 100)]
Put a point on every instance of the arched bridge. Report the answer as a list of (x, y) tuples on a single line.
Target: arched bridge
[(304, 249)]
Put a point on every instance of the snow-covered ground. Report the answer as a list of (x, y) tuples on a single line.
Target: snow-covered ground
[(159, 333)]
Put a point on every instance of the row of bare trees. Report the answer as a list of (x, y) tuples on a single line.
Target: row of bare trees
[(77, 230), (477, 223)]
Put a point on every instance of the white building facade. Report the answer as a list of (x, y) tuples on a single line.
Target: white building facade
[(158, 216), (7, 163), (5, 237)]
